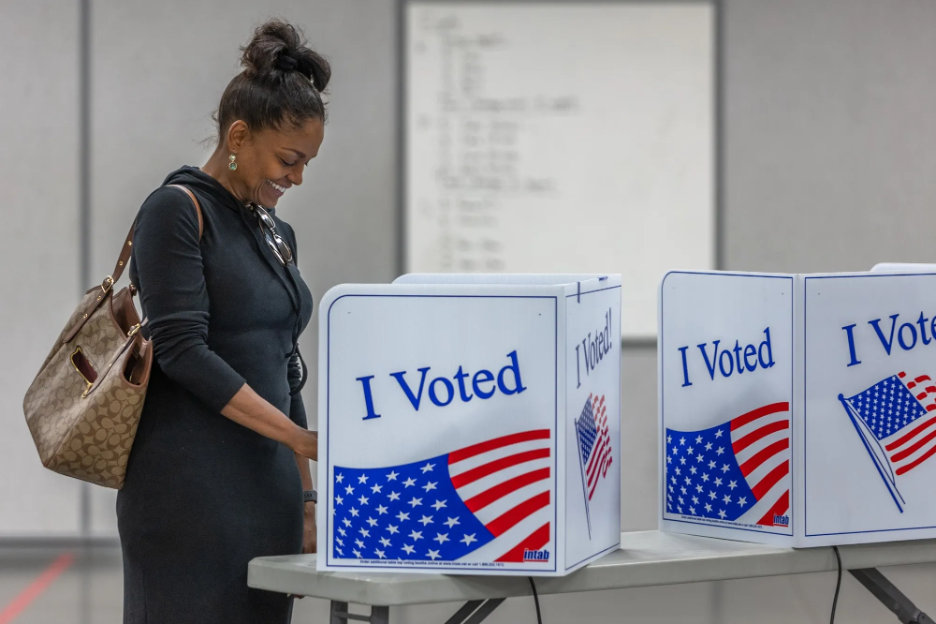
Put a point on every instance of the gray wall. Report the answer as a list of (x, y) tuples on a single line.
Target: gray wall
[(828, 164), (39, 243), (829, 133)]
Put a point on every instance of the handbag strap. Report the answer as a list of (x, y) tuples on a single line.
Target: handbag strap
[(122, 260)]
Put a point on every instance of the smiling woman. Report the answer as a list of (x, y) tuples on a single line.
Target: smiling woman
[(220, 460)]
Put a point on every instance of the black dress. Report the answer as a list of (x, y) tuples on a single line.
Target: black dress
[(204, 495)]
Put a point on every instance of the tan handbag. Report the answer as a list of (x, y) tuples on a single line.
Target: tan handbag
[(84, 406)]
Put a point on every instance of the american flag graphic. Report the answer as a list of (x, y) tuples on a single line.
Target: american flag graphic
[(594, 442), (486, 502), (891, 419), (594, 445), (737, 471)]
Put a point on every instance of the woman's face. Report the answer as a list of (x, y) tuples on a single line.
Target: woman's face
[(271, 161)]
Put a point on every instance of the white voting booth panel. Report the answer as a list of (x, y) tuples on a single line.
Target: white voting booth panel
[(470, 424), (796, 409), (903, 267), (726, 368)]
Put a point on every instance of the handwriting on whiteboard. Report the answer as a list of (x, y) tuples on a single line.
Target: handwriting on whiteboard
[(478, 136), (561, 137)]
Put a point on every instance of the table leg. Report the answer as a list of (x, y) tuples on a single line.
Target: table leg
[(462, 614), (339, 614), (893, 598), (475, 611)]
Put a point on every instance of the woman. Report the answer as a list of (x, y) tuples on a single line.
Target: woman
[(219, 464)]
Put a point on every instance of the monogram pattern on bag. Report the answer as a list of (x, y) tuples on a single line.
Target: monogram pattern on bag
[(90, 437)]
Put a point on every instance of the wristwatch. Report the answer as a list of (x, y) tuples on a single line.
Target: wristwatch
[(309, 496)]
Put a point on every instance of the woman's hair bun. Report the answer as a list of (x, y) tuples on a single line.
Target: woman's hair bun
[(283, 81), (279, 48)]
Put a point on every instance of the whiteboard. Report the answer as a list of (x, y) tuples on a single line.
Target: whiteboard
[(551, 137)]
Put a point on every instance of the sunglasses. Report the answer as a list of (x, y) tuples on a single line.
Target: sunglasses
[(268, 229)]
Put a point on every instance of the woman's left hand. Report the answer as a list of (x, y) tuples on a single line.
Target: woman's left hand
[(308, 534), (308, 529)]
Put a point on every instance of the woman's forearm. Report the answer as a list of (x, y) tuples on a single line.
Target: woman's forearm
[(249, 409), (305, 473)]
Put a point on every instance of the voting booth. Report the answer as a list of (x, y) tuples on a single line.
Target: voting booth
[(798, 409), (470, 424)]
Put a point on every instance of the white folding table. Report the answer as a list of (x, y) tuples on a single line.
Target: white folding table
[(646, 558)]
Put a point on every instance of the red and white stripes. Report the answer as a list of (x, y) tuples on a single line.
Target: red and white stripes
[(600, 459), (506, 483), (760, 440), (914, 444)]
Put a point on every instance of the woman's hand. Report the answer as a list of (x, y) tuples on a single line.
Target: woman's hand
[(308, 529), (249, 409), (305, 443)]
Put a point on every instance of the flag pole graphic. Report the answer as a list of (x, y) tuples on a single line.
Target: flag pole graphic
[(578, 439), (889, 483)]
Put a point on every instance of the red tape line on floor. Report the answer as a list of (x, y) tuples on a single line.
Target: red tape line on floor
[(35, 589)]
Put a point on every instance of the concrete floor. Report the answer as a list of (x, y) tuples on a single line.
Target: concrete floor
[(90, 591)]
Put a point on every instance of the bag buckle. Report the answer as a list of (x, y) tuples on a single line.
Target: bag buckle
[(107, 284)]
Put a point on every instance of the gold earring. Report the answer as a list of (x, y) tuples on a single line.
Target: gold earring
[(233, 164)]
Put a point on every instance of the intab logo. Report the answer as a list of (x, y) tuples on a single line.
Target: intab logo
[(535, 555)]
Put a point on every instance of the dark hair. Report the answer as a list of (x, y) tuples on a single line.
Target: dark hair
[(282, 81)]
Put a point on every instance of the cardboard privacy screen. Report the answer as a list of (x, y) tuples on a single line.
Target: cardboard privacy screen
[(470, 424), (796, 409)]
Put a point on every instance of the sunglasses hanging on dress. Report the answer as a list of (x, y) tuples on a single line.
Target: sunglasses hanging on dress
[(277, 245)]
